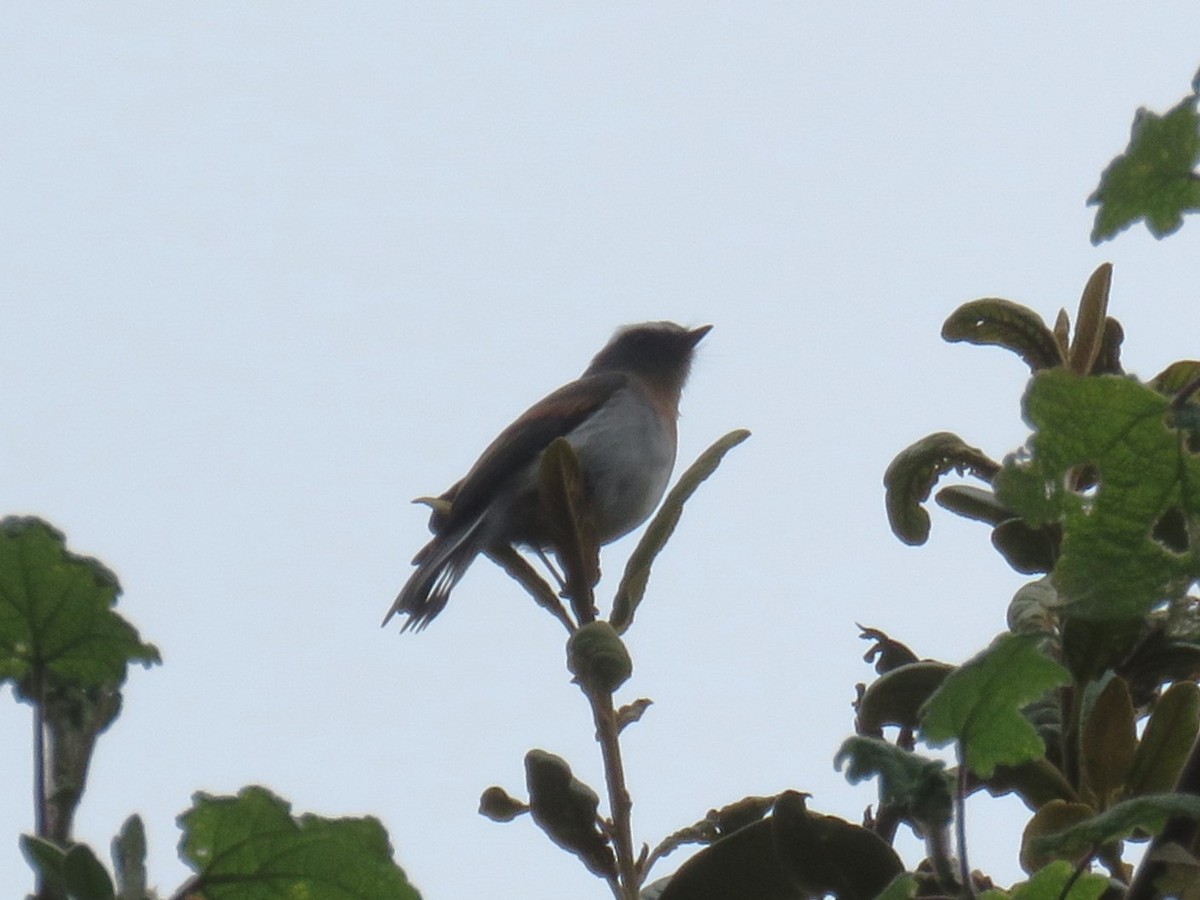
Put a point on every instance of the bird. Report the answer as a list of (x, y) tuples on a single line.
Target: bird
[(620, 418)]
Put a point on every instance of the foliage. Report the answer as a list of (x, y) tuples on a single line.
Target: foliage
[(1155, 178), (1087, 707), (1103, 505), (67, 651)]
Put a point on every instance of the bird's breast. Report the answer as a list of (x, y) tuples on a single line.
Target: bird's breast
[(626, 451)]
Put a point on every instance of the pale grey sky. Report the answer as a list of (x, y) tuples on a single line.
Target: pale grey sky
[(269, 272)]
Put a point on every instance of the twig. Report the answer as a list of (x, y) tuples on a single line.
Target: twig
[(524, 574), (620, 804)]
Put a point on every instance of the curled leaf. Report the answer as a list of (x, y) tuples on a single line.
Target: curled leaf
[(886, 652), (896, 698), (1005, 324), (919, 786), (911, 477)]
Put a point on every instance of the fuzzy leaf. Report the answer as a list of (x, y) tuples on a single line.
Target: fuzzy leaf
[(913, 473), (1050, 882), (85, 876), (637, 570), (1005, 324), (896, 697), (1149, 813), (920, 786), (1055, 816), (1111, 566), (1109, 742), (792, 855), (56, 612), (1155, 178), (980, 704), (973, 502), (565, 808), (564, 505), (1089, 324), (250, 847), (1168, 738)]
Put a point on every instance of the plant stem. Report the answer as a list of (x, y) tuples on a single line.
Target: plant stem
[(960, 826), (620, 805), (40, 812)]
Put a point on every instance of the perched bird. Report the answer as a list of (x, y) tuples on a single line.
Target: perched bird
[(620, 419)]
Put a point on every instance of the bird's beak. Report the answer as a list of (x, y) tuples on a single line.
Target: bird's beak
[(695, 335)]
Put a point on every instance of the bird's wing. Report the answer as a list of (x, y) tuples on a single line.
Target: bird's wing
[(520, 443)]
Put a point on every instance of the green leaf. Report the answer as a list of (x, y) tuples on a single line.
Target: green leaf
[(1177, 376), (979, 705), (903, 887), (920, 786), (1155, 178), (913, 473), (85, 876), (1166, 741), (1050, 882), (250, 847), (1148, 813), (45, 857), (75, 870), (1111, 566), (1005, 324), (637, 570), (56, 613)]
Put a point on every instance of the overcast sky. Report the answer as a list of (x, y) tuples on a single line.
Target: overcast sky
[(268, 272)]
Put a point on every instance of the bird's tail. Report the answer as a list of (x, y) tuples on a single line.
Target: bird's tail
[(440, 566)]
